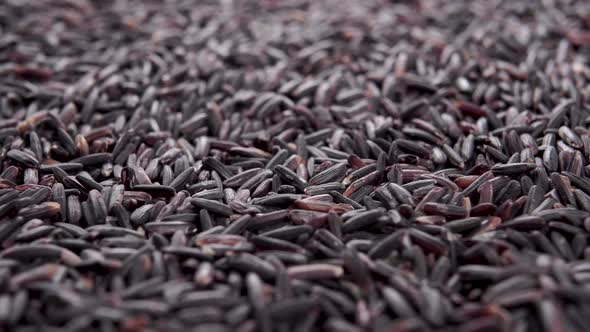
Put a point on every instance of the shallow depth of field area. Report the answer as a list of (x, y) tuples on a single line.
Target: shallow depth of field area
[(329, 165)]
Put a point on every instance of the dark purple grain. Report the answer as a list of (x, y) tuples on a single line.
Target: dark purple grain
[(294, 166)]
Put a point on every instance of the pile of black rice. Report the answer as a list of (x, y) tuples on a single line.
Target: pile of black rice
[(294, 165)]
